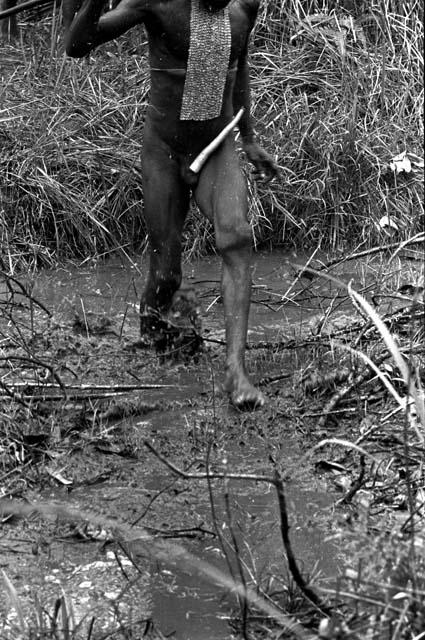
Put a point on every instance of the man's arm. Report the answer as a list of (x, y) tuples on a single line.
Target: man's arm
[(90, 28), (242, 99), (265, 166)]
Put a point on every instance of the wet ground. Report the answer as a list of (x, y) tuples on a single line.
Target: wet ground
[(108, 471)]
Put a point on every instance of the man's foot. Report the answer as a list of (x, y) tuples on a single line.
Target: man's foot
[(243, 394), (151, 322), (176, 333)]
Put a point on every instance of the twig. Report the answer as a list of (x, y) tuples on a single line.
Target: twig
[(410, 519), (277, 482), (31, 360), (70, 398), (242, 601), (355, 486), (372, 251), (12, 395), (75, 393), (270, 379), (8, 277), (151, 501), (205, 476), (360, 598), (298, 276), (309, 593), (319, 414), (113, 388)]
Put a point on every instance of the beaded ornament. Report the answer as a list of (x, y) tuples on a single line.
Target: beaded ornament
[(208, 62)]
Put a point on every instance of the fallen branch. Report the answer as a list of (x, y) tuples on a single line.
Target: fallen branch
[(418, 239), (70, 398), (35, 362), (12, 395), (112, 388), (309, 593), (255, 477)]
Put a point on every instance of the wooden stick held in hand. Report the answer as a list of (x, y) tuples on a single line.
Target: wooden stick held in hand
[(201, 159)]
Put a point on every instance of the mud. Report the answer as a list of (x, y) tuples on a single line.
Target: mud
[(99, 462)]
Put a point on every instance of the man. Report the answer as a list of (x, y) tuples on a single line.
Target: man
[(199, 79)]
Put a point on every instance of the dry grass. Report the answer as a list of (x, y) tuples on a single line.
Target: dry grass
[(337, 94), (71, 138)]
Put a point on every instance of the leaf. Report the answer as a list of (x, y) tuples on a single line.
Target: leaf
[(386, 221), (57, 475), (402, 595), (401, 163)]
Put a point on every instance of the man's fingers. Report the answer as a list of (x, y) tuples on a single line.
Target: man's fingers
[(265, 167), (261, 176), (265, 172)]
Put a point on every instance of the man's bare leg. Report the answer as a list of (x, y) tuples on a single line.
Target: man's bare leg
[(222, 196), (166, 202), (236, 291)]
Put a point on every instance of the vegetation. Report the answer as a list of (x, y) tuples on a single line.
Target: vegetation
[(337, 94), (338, 99)]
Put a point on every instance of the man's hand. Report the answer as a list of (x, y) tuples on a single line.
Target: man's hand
[(265, 168)]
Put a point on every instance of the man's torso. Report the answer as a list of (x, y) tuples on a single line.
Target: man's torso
[(168, 28)]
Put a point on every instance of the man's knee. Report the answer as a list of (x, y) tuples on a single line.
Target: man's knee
[(233, 235)]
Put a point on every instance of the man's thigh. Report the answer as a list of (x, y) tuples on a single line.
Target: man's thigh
[(165, 195), (221, 195)]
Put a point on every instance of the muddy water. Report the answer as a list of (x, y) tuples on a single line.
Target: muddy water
[(278, 306), (178, 603), (192, 609)]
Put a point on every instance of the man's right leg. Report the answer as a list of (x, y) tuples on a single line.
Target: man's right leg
[(221, 194), (166, 202)]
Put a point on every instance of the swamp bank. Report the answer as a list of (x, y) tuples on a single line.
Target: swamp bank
[(137, 503)]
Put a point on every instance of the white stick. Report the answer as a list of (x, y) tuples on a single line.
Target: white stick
[(201, 159)]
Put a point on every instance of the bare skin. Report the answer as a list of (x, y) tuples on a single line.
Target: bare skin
[(171, 144)]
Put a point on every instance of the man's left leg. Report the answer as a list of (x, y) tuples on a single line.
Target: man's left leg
[(221, 194)]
